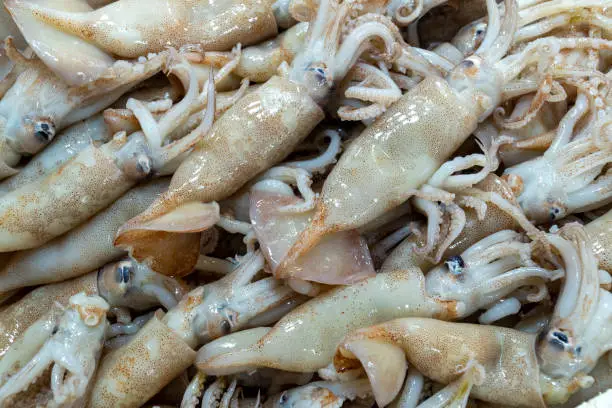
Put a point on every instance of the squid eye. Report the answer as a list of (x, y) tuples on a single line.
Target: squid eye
[(225, 327), (561, 336), (559, 339), (320, 73), (123, 272), (455, 265), (55, 329), (143, 164), (467, 63), (44, 131), (283, 398), (554, 212)]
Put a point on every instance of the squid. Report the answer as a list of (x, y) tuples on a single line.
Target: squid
[(441, 351), (64, 146), (123, 284), (205, 313), (571, 176), (304, 339), (546, 368), (85, 248), (403, 148), (127, 30), (263, 127), (580, 329), (97, 176), (65, 363), (39, 104), (277, 216)]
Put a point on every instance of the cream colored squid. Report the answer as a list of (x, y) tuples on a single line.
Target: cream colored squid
[(205, 313), (126, 29), (123, 284), (117, 166), (70, 349), (38, 104), (263, 127), (388, 170), (305, 338), (552, 366)]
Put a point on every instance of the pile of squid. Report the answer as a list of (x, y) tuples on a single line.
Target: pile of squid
[(306, 203)]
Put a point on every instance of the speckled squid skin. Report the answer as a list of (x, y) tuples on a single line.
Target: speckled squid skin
[(600, 232), (305, 339), (64, 146), (127, 29), (81, 250), (495, 219), (260, 130), (40, 211), (130, 375), (396, 154), (437, 349), (260, 62), (17, 317)]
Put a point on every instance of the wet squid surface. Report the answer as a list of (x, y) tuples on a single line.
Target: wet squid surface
[(293, 203)]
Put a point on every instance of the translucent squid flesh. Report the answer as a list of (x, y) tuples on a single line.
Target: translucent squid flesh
[(341, 259), (71, 351), (123, 284), (580, 329), (304, 339), (126, 29)]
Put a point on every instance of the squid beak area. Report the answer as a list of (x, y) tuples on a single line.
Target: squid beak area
[(384, 363), (91, 309), (168, 253)]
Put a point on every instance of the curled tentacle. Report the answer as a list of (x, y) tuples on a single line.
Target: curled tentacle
[(322, 162), (192, 394), (578, 332), (375, 86)]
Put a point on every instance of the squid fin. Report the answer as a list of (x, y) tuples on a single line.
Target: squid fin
[(193, 216), (169, 243), (243, 360), (384, 363)]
